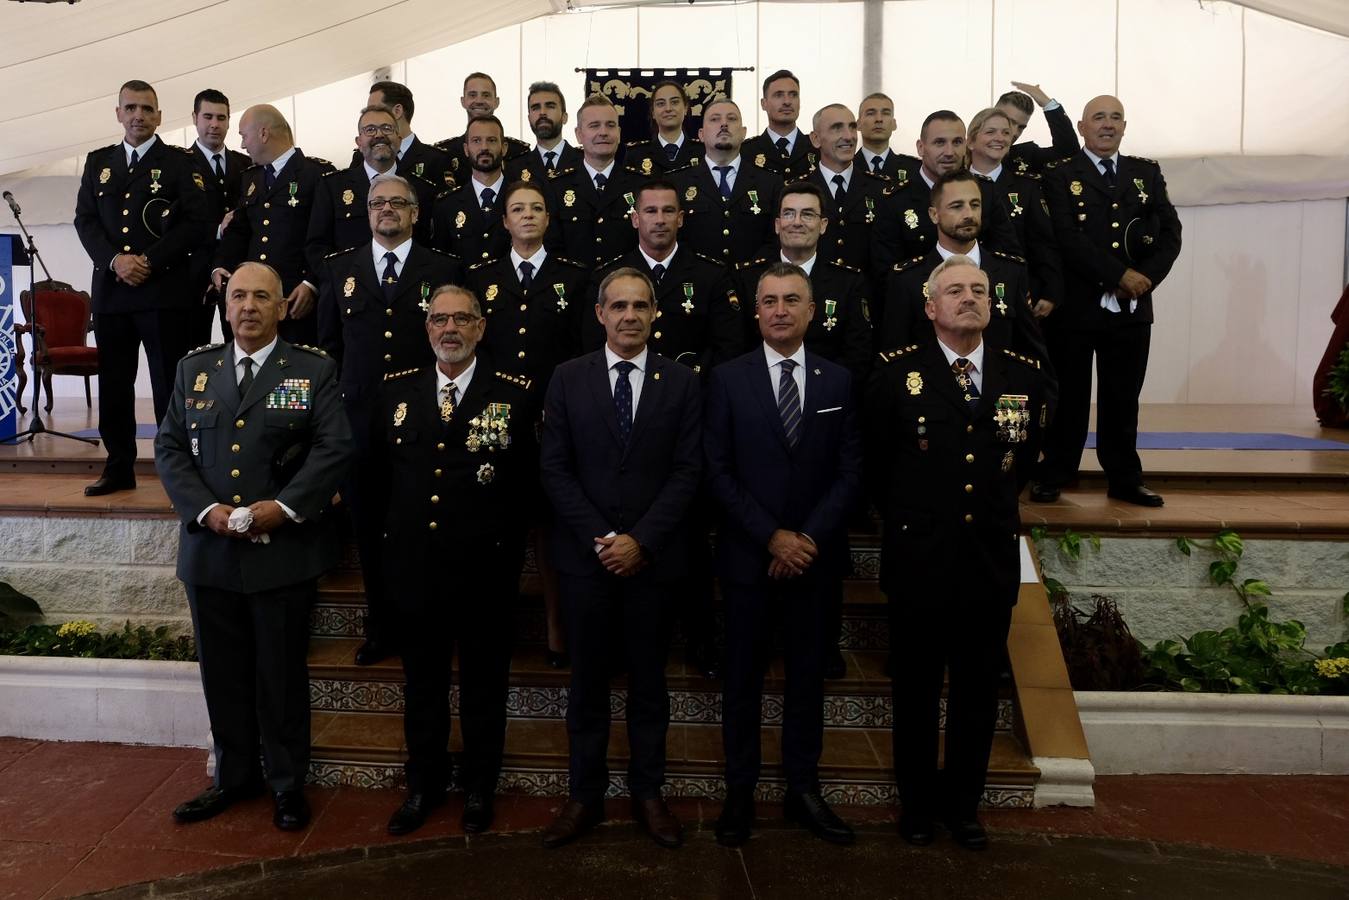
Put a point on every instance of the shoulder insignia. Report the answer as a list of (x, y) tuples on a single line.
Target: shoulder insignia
[(332, 173), (634, 143), (320, 160), (443, 146), (561, 173), (253, 168), (1144, 159), (184, 150), (569, 262), (413, 177), (908, 264), (482, 265), (520, 380), (445, 193), (749, 263), (1027, 360), (844, 266), (203, 348), (720, 264), (1055, 163), (691, 164), (341, 252), (1012, 256), (314, 350), (890, 189), (439, 252), (892, 355), (609, 262), (1033, 176), (390, 376)]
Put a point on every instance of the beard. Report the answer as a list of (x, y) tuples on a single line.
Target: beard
[(546, 129), (451, 355), (492, 166)]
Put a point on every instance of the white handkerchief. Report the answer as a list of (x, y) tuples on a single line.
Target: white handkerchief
[(1111, 304), (241, 520)]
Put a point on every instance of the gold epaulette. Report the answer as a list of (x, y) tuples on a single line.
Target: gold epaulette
[(203, 348), (1055, 163), (320, 160), (837, 264), (569, 262), (519, 380), (712, 259), (482, 265), (390, 376), (750, 263), (558, 173), (314, 350), (330, 174), (1028, 360), (1146, 160), (909, 264), (892, 355), (340, 252), (1012, 256)]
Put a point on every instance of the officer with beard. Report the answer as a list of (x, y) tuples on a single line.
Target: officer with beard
[(468, 218), (479, 99), (547, 114)]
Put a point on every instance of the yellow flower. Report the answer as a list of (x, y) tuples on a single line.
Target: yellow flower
[(1336, 667), (76, 629)]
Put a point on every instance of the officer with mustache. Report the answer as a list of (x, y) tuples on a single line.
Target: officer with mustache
[(547, 110), (467, 220)]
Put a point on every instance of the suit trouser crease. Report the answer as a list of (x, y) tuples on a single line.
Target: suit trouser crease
[(165, 334)]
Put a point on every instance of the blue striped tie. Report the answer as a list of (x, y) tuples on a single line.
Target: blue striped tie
[(789, 403), (623, 399)]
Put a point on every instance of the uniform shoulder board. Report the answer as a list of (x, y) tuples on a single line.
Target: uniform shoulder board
[(558, 173), (634, 143), (331, 173), (390, 376), (413, 178), (562, 260), (908, 264), (1026, 360), (203, 348), (438, 252), (253, 168), (443, 145), (516, 142), (868, 173), (1033, 176), (750, 263), (1144, 159), (714, 261), (520, 380), (609, 262), (445, 193), (888, 356), (1012, 256), (844, 266), (185, 150), (320, 160), (314, 350), (107, 149), (1055, 163), (691, 164), (482, 265), (343, 252)]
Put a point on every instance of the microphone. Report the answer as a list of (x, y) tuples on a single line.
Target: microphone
[(13, 206)]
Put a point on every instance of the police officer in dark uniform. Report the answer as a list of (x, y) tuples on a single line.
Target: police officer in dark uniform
[(139, 215), (460, 461), (728, 202), (479, 99), (251, 453), (593, 202), (547, 110), (468, 218), (782, 148), (340, 219), (414, 157), (1120, 236), (856, 195), (221, 171), (951, 432), (372, 314), (279, 192), (876, 125), (1019, 105), (670, 149)]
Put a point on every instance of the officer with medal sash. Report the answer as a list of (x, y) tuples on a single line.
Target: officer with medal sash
[(670, 149), (782, 148), (221, 172), (951, 430), (468, 218), (876, 125), (458, 461), (372, 320), (479, 99), (139, 215), (272, 224), (856, 195), (729, 201), (547, 110), (251, 452)]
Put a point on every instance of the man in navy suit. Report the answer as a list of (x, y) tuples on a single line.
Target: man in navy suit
[(621, 457), (784, 459)]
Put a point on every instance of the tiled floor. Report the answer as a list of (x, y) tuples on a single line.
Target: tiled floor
[(82, 817)]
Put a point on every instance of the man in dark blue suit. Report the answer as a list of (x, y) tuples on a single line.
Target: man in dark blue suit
[(784, 459), (621, 457)]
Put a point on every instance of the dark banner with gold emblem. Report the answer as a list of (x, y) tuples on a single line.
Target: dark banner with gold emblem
[(630, 92)]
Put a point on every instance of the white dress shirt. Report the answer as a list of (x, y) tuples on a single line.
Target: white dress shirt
[(775, 359), (792, 138), (607, 171), (870, 158), (401, 251), (652, 262), (828, 175), (806, 266), (222, 153), (280, 162), (536, 260), (405, 144), (496, 186), (976, 358), (730, 176), (974, 254), (140, 151), (634, 377), (460, 384)]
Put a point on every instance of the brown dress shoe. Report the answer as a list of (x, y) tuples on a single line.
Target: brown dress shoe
[(575, 819), (653, 815)]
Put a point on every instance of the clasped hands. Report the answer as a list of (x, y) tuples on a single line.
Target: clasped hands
[(267, 517), (620, 554), (792, 553), (132, 270), (1132, 285)]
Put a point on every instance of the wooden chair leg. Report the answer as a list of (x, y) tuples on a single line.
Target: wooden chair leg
[(23, 383), (47, 383), (88, 397)]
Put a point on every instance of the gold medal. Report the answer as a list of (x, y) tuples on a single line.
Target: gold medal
[(646, 166), (914, 382), (691, 193), (104, 176), (348, 197), (1076, 188), (569, 197)]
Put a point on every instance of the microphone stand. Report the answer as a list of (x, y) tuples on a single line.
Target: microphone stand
[(36, 426)]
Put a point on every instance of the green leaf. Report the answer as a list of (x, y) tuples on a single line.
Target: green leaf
[(1095, 542), (1055, 588), (1220, 571), (17, 608), (1183, 545), (1229, 542), (1070, 545), (1039, 533), (1256, 587), (1190, 684)]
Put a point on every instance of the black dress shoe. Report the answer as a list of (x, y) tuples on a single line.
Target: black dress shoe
[(575, 819), (412, 814), (558, 659), (372, 652), (736, 821), (107, 484), (916, 829), (213, 801), (1043, 493), (834, 667), (1136, 494), (657, 820), (968, 833), (291, 810), (809, 809), (478, 812)]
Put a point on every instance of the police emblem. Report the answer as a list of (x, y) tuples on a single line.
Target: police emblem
[(400, 415), (911, 218), (691, 192), (491, 293), (485, 473), (1076, 188), (646, 166), (198, 181), (349, 286), (914, 382), (760, 160), (348, 197), (104, 176), (460, 218), (526, 175), (569, 197), (200, 384)]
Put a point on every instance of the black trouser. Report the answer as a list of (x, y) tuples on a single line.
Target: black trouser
[(800, 604), (1121, 356), (166, 335), (361, 493), (600, 613), (931, 632), (255, 673), (470, 610), (697, 608)]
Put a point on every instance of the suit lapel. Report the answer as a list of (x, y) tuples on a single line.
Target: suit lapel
[(603, 394), (366, 273), (760, 379), (410, 281), (995, 378), (268, 377), (652, 392), (220, 380), (1093, 176)]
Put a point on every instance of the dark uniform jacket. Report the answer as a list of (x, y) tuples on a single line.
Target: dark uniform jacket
[(650, 158), (731, 230), (698, 313), (761, 150), (341, 219), (461, 226), (272, 225), (1103, 231), (422, 160), (368, 336), (531, 332), (222, 195), (946, 478), (162, 216), (1028, 212), (460, 167), (529, 166), (1030, 157), (905, 230), (841, 329), (847, 240), (898, 167), (588, 226), (287, 440)]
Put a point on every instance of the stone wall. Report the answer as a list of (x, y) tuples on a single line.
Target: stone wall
[(103, 569), (1162, 593)]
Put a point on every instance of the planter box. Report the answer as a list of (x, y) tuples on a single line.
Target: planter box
[(116, 700), (1136, 733)]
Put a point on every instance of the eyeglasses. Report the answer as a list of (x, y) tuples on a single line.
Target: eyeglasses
[(806, 215), (461, 319), (372, 130), (395, 202)]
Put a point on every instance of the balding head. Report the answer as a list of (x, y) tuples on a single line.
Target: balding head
[(1102, 125), (264, 133)]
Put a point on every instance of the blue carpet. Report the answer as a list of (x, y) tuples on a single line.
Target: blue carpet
[(143, 432), (1227, 440)]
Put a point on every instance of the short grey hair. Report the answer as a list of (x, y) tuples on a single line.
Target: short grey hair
[(815, 119), (473, 301), (953, 261), (625, 272), (390, 178), (781, 269)]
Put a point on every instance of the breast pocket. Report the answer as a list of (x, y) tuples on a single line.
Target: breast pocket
[(201, 436), (286, 419)]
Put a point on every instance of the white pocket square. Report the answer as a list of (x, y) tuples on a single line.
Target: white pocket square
[(830, 409)]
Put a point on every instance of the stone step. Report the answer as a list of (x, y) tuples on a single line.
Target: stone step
[(367, 750), (859, 700)]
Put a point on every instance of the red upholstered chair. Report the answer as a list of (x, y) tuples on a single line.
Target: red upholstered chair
[(60, 325)]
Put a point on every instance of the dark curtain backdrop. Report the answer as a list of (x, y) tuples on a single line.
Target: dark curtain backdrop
[(630, 92)]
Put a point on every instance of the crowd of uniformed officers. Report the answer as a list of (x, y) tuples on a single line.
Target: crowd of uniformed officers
[(612, 354)]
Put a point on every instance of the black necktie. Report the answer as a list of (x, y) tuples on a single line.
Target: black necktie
[(550, 160), (600, 181), (135, 158), (526, 274), (1109, 166), (840, 192), (724, 185), (784, 147), (961, 368), (623, 399), (671, 151), (789, 403), (878, 165), (389, 280), (218, 166), (247, 381), (488, 195), (268, 176), (657, 272)]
